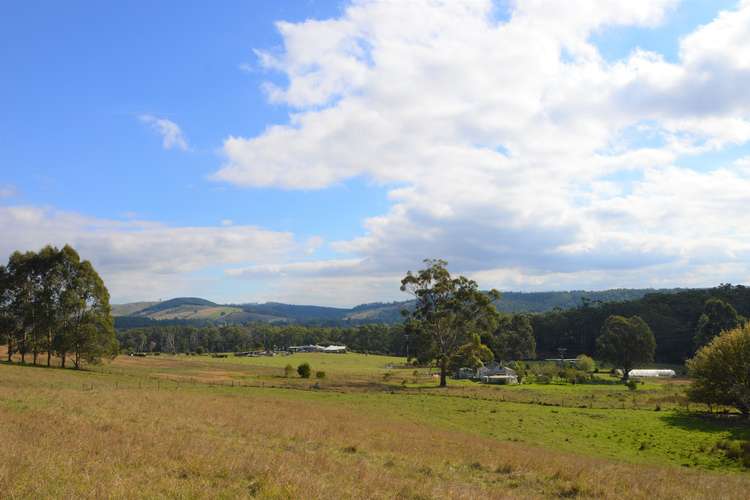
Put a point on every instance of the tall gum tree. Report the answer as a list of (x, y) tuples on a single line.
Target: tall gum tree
[(448, 312)]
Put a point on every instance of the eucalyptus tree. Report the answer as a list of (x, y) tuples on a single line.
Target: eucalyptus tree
[(88, 328), (6, 316), (626, 343), (448, 312), (20, 303)]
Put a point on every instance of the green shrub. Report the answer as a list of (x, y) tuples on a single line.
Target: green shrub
[(304, 370), (320, 374), (585, 363), (199, 350), (288, 369), (632, 385)]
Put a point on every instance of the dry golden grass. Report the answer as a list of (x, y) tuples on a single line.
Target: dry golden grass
[(72, 434)]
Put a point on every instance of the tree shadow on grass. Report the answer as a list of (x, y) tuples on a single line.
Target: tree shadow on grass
[(44, 366), (735, 424)]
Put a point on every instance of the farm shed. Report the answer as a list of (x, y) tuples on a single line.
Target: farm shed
[(499, 379), (335, 349), (494, 368), (306, 348), (652, 373)]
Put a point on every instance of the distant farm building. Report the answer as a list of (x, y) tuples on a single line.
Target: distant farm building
[(306, 348), (652, 373), (335, 349), (492, 373)]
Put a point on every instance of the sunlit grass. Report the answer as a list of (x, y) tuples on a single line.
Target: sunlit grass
[(236, 427)]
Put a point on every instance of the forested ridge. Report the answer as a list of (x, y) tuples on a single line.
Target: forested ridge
[(673, 317)]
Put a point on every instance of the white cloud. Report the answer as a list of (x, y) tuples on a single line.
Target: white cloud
[(7, 191), (144, 260), (308, 268), (512, 148), (172, 136)]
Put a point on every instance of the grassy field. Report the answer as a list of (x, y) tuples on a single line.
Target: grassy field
[(236, 427)]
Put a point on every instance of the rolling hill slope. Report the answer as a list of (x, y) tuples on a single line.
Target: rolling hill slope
[(204, 311)]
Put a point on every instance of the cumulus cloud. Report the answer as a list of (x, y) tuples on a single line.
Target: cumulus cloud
[(512, 148), (141, 259), (171, 133)]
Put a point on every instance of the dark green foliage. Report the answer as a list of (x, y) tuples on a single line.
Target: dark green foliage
[(51, 302), (304, 370), (717, 317), (672, 317), (320, 374), (513, 339), (626, 343), (382, 339)]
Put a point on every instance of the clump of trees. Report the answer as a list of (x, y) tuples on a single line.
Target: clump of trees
[(626, 343), (673, 317), (512, 339), (448, 313), (53, 303), (721, 371), (718, 316)]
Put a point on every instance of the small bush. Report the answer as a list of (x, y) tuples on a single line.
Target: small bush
[(632, 385), (585, 363), (199, 350), (288, 369), (320, 374), (304, 370)]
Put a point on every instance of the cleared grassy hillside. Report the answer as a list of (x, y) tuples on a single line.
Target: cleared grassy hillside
[(237, 427)]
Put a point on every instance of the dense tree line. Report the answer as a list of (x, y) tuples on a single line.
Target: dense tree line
[(680, 321), (52, 303), (374, 338)]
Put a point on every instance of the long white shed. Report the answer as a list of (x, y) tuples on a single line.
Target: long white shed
[(652, 373)]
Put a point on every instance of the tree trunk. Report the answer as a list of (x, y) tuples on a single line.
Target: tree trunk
[(62, 359), (49, 348), (10, 349), (443, 372), (34, 355)]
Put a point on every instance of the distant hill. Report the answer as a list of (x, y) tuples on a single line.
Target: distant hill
[(131, 308), (178, 302), (198, 310)]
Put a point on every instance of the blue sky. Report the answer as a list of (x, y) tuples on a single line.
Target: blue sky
[(345, 211)]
